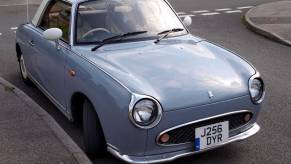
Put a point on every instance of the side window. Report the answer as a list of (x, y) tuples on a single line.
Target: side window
[(57, 15)]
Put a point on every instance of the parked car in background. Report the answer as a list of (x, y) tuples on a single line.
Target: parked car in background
[(142, 86)]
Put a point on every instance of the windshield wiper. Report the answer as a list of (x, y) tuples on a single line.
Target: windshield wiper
[(167, 32), (116, 38)]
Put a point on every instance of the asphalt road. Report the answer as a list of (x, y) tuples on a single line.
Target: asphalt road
[(218, 21)]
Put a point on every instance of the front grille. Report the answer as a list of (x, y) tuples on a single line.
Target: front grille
[(186, 133)]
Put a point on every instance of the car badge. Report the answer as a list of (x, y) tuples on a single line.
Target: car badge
[(210, 94)]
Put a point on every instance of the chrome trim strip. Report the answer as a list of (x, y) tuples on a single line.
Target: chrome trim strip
[(169, 4), (134, 99), (112, 147), (39, 13), (196, 121), (257, 75), (51, 98), (159, 158)]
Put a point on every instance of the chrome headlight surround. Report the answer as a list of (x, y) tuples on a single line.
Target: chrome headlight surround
[(256, 88), (136, 100)]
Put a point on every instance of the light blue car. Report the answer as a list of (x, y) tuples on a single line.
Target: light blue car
[(141, 85)]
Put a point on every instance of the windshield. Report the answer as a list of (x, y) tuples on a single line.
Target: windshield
[(101, 19)]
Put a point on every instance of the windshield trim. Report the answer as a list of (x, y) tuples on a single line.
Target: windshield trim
[(75, 42)]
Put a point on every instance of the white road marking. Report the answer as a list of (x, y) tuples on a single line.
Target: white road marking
[(190, 15), (181, 13), (13, 5), (0, 33), (200, 11), (233, 11), (244, 7), (224, 9), (13, 28), (214, 13)]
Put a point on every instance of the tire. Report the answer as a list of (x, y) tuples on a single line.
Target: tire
[(94, 141), (23, 71)]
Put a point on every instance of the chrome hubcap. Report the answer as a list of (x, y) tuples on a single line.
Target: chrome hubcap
[(23, 68)]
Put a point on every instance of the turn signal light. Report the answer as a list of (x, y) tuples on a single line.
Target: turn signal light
[(165, 138), (247, 117)]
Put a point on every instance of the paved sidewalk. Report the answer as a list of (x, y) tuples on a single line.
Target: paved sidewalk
[(272, 20), (29, 135)]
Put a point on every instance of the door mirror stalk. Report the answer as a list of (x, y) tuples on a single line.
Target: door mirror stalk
[(58, 44), (53, 34)]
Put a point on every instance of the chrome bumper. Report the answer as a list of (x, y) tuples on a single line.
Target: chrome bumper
[(174, 155)]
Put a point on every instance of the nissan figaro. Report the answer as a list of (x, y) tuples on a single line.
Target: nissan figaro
[(143, 88)]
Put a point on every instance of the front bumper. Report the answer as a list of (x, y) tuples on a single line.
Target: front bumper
[(174, 155)]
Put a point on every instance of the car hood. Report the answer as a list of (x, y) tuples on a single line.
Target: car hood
[(179, 72)]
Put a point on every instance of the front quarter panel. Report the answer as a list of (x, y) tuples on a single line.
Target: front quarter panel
[(111, 101)]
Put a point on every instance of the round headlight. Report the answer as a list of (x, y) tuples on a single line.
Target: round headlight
[(146, 113), (256, 90)]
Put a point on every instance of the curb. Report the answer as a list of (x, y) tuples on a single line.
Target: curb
[(67, 141), (268, 34)]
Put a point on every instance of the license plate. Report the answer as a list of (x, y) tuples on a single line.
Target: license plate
[(211, 135)]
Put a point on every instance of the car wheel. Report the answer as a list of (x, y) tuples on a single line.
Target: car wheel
[(94, 141), (23, 71)]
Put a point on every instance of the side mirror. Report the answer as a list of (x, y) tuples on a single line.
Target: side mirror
[(53, 34), (187, 21)]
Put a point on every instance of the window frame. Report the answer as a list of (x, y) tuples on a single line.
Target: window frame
[(76, 24), (74, 36), (45, 10)]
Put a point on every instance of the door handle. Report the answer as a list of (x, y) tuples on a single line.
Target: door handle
[(31, 43)]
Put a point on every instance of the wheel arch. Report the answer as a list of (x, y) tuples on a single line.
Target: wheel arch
[(77, 101), (76, 105), (18, 51)]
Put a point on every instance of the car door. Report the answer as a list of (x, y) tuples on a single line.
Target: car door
[(51, 58)]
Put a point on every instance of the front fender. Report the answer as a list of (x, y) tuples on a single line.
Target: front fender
[(111, 101)]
